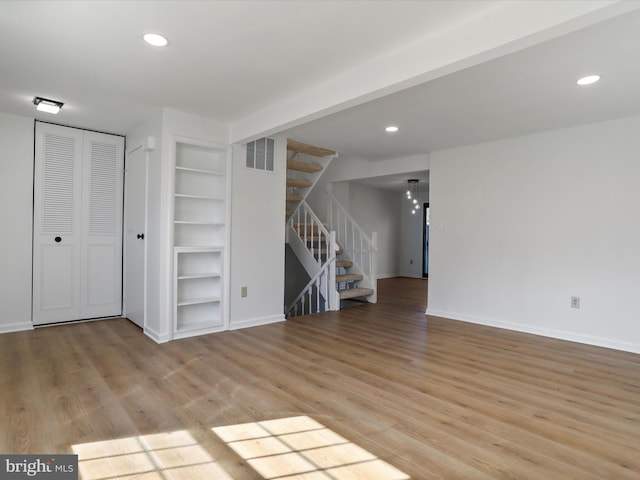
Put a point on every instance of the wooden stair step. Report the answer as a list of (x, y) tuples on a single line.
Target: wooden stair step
[(349, 277), (312, 150), (311, 228), (344, 263), (288, 213), (298, 183), (306, 167), (323, 251), (355, 292), (294, 198)]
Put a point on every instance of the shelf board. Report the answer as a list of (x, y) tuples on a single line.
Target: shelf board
[(189, 276), (191, 222), (199, 170), (196, 301), (198, 197), (197, 248)]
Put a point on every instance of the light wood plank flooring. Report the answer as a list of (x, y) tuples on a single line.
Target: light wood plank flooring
[(377, 391)]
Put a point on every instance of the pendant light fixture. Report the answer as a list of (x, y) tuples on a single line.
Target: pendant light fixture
[(412, 194)]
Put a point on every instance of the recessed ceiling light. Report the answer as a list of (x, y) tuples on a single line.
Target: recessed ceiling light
[(155, 39), (391, 129), (46, 105), (588, 80)]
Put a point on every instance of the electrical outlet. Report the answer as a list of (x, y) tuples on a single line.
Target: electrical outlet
[(243, 292), (575, 302)]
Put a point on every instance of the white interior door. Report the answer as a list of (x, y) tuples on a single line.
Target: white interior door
[(57, 228), (101, 271), (135, 195), (77, 242)]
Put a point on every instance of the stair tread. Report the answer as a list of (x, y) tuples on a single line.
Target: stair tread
[(312, 150), (294, 198), (349, 277), (355, 292), (298, 183), (307, 167), (344, 263)]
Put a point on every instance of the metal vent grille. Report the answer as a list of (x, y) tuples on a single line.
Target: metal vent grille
[(59, 163), (104, 174), (260, 154)]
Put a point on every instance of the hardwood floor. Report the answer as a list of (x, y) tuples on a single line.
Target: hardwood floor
[(377, 391)]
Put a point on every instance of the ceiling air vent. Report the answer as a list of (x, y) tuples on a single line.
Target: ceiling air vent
[(260, 154)]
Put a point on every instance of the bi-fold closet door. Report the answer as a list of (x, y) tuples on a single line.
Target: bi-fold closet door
[(77, 234)]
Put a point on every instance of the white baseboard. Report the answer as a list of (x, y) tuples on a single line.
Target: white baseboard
[(399, 275), (256, 322), (16, 327), (544, 332), (156, 336)]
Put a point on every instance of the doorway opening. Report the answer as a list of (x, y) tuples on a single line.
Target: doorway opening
[(425, 241)]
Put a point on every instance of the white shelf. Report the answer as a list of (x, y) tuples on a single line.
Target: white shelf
[(192, 276), (199, 197), (200, 234), (196, 301), (199, 170), (190, 222)]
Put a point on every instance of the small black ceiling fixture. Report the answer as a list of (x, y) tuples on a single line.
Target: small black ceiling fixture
[(46, 105)]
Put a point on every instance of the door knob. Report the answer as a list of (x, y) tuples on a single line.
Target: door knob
[(58, 239), (140, 236)]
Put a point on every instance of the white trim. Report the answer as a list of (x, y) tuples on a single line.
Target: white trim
[(256, 322), (545, 332), (16, 327), (155, 336)]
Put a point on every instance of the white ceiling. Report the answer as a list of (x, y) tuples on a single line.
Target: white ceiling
[(528, 91), (230, 59)]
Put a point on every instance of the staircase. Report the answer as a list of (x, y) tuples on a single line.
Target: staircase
[(334, 277), (305, 164)]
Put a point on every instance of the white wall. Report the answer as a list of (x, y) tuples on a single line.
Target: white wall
[(257, 240), (519, 226), (376, 210), (16, 217)]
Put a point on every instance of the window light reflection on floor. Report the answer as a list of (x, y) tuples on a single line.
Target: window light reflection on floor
[(300, 448), (164, 456)]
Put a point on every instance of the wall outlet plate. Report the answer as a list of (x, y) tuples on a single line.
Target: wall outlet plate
[(575, 302)]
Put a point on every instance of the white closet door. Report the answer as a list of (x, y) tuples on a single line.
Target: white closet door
[(101, 273), (57, 226), (77, 255)]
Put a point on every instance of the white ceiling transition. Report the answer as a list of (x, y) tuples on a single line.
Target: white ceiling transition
[(332, 73)]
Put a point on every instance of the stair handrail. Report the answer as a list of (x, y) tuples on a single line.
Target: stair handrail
[(361, 248), (323, 281), (307, 216)]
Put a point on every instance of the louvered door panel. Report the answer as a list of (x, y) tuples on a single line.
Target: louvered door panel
[(77, 258), (56, 249), (102, 225)]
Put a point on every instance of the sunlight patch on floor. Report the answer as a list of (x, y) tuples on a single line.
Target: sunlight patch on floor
[(163, 456), (300, 448)]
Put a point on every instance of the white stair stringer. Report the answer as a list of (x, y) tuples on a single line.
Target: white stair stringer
[(315, 248)]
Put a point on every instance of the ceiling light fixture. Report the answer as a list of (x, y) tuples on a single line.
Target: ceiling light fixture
[(46, 105), (391, 129), (412, 194), (588, 80), (156, 39)]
